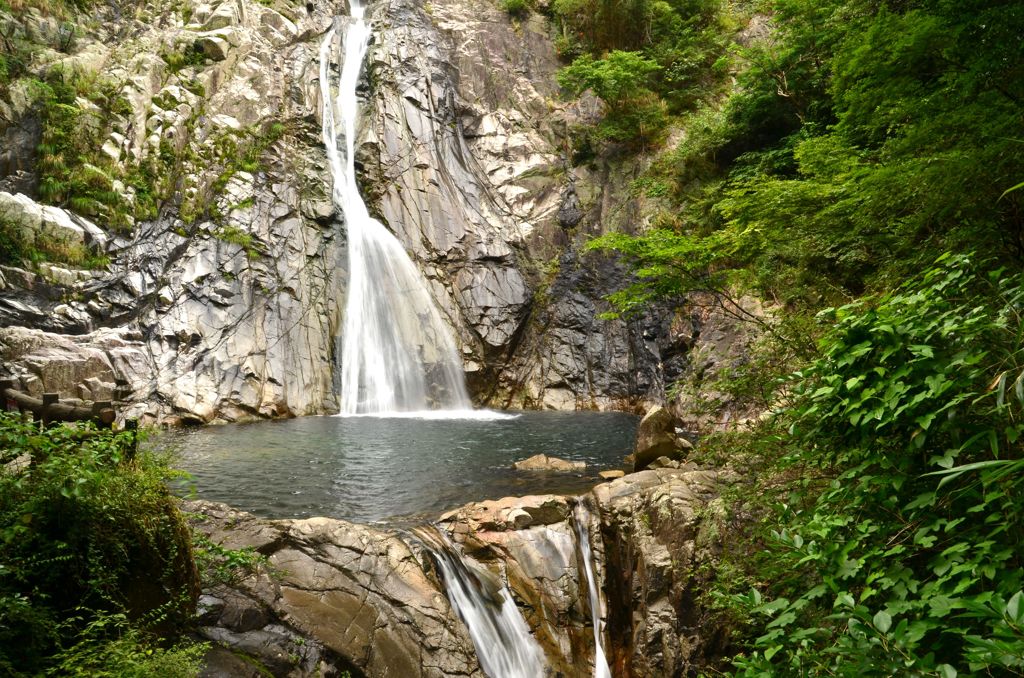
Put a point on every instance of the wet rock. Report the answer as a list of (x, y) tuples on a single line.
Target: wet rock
[(659, 529), (542, 462), (570, 212), (337, 596)]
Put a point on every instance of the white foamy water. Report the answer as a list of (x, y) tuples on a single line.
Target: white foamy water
[(397, 352), (434, 415), (581, 521), (502, 639)]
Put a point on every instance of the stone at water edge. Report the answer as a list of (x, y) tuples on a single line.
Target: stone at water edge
[(656, 437), (612, 475), (664, 462), (542, 462)]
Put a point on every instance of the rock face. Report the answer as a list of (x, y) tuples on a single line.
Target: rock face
[(232, 293), (464, 156), (358, 598), (335, 596), (225, 306), (659, 527)]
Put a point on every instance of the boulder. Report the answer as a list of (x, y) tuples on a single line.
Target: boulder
[(334, 597), (656, 437), (612, 475), (542, 462), (213, 46)]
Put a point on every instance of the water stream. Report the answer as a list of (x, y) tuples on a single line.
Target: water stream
[(398, 358), (581, 522), (397, 352), (503, 642)]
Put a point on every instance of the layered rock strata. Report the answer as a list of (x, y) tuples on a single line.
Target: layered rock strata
[(226, 306)]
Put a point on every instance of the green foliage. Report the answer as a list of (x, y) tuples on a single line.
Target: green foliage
[(906, 558), (863, 140), (860, 143), (110, 647), (231, 153), (184, 56), (621, 79), (86, 531), (220, 565), (519, 9), (72, 171), (18, 247), (236, 236), (644, 58)]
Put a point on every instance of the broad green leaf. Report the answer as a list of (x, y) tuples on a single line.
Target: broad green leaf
[(882, 621), (1014, 608)]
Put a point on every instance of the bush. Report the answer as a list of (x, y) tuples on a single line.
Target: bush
[(73, 172), (86, 531), (901, 552), (519, 9), (622, 80), (110, 647)]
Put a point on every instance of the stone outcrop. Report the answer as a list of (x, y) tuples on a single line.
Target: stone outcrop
[(335, 596), (332, 597), (465, 157), (656, 437), (225, 306), (233, 291), (660, 528), (542, 462)]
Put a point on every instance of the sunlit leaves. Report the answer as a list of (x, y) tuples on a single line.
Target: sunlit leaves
[(920, 535)]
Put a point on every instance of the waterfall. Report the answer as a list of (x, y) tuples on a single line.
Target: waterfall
[(581, 521), (502, 639), (397, 353)]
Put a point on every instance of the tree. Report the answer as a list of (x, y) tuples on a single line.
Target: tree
[(621, 80)]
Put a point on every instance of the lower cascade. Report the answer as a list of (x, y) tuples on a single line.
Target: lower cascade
[(500, 634), (397, 353), (581, 524)]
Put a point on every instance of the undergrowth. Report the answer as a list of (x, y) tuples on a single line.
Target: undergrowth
[(883, 533), (95, 559)]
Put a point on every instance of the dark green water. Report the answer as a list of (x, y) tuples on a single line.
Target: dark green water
[(366, 469)]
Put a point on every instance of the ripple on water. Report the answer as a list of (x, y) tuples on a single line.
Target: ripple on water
[(367, 468)]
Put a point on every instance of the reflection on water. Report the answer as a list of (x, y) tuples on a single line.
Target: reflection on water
[(370, 468)]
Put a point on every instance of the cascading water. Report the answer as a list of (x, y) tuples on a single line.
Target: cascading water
[(397, 353), (581, 522), (502, 639)]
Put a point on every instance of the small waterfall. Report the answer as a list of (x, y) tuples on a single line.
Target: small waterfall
[(397, 353), (502, 639), (581, 522)]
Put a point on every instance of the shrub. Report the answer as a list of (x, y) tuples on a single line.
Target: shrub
[(622, 80), (86, 531), (518, 9), (73, 172), (905, 556), (16, 248)]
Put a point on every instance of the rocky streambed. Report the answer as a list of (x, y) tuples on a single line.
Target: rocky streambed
[(333, 596)]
